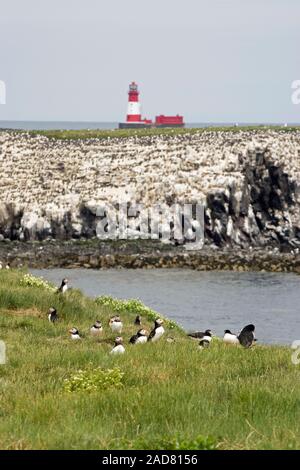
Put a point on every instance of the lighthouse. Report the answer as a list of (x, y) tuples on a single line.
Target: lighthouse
[(134, 106), (134, 116)]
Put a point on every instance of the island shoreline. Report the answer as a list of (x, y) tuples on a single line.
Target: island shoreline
[(135, 254)]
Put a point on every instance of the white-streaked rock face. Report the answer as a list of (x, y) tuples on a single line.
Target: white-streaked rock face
[(57, 188)]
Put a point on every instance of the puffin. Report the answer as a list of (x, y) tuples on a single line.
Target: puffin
[(52, 315), (202, 336), (157, 331), (115, 324), (118, 347), (204, 343), (96, 329), (64, 286), (138, 320), (139, 338), (246, 336), (74, 334), (230, 338)]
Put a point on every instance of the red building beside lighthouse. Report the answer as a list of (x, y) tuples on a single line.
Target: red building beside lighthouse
[(134, 116)]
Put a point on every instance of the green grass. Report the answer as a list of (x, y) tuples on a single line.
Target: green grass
[(124, 133), (172, 395)]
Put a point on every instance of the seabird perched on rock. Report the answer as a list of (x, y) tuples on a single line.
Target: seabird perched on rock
[(157, 331), (246, 336), (96, 329), (64, 286), (116, 324), (52, 315), (139, 338), (74, 334), (230, 338), (118, 347), (138, 320)]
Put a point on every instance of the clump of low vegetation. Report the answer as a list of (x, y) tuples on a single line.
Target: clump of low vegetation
[(134, 306), (93, 380), (28, 280)]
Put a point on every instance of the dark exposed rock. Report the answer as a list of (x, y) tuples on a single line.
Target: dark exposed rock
[(143, 254), (269, 193)]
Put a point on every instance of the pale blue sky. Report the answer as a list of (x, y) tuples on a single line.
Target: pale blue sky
[(212, 60)]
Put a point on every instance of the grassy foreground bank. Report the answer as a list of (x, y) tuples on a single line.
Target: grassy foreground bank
[(170, 395)]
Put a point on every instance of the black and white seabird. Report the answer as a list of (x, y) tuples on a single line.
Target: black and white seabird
[(116, 324), (246, 336), (96, 329), (118, 347), (64, 286), (139, 338), (205, 336), (52, 315), (138, 320), (74, 334), (204, 343), (230, 338), (157, 331)]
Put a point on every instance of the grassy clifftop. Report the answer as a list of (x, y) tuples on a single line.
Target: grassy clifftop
[(165, 395), (121, 133)]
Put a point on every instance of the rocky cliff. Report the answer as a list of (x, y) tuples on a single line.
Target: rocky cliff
[(248, 182)]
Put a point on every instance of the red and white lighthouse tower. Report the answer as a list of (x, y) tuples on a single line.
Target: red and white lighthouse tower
[(134, 106), (134, 116)]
